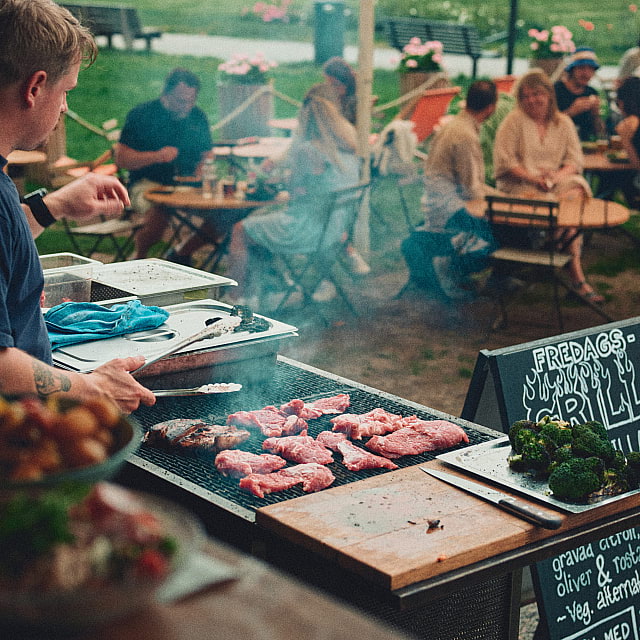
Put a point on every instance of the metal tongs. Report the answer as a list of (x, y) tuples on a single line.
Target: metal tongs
[(214, 387), (218, 328)]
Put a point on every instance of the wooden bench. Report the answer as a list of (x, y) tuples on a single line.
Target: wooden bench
[(113, 20), (462, 39)]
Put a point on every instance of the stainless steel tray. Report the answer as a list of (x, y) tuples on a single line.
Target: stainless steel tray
[(184, 320), (160, 283), (488, 460)]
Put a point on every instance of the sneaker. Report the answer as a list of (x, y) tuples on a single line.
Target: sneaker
[(356, 263), (325, 292)]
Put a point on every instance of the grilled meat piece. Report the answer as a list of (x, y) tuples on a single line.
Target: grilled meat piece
[(313, 477), (375, 422), (236, 463), (300, 449), (195, 436), (420, 436), (317, 408), (353, 457), (271, 421)]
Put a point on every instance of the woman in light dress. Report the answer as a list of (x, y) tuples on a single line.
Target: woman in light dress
[(537, 154), (322, 158)]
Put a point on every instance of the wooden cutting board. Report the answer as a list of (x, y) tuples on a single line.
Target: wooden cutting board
[(379, 527)]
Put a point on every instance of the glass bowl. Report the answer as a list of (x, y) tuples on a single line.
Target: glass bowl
[(87, 607), (127, 435)]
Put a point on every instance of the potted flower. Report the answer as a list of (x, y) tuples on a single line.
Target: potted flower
[(420, 61), (550, 46), (245, 99)]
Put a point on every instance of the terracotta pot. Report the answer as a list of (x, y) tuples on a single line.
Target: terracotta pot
[(253, 120), (548, 65), (413, 79)]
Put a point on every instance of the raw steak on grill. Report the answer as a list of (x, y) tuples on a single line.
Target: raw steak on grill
[(271, 421), (317, 408), (354, 458), (420, 436), (375, 422), (236, 463), (299, 449), (195, 436), (313, 477)]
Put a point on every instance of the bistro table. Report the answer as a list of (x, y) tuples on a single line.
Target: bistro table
[(186, 202), (574, 211), (17, 163)]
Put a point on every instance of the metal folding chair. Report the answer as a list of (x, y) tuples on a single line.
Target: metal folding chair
[(542, 264), (304, 272)]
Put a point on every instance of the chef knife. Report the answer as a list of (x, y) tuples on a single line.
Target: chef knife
[(508, 503)]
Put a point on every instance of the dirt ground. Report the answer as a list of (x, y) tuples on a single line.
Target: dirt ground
[(423, 351)]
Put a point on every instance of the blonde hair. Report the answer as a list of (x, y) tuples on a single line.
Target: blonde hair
[(40, 35), (321, 123), (538, 79)]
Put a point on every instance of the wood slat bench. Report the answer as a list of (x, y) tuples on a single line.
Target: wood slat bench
[(462, 39), (113, 20)]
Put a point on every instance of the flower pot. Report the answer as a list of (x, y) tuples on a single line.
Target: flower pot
[(253, 120), (410, 80), (548, 65)]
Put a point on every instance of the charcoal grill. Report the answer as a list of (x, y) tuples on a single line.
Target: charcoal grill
[(289, 382), (480, 611)]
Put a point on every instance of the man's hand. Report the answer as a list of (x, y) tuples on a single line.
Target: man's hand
[(114, 380), (87, 197), (584, 104)]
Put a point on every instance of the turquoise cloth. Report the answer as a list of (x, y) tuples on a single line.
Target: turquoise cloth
[(74, 322)]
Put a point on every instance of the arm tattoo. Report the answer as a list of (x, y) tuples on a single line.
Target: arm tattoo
[(47, 381)]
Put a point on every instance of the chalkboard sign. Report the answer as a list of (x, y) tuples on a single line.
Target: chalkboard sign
[(592, 592), (592, 374)]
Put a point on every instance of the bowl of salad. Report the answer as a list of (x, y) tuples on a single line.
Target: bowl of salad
[(77, 556)]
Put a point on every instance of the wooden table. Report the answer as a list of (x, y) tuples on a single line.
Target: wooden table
[(599, 162), (19, 161), (185, 202), (573, 211), (260, 602)]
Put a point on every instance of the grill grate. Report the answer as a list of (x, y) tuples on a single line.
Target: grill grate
[(100, 292), (288, 382)]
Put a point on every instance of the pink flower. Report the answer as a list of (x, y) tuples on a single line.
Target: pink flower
[(633, 8), (412, 64)]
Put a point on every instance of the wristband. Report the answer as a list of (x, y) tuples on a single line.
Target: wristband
[(39, 209)]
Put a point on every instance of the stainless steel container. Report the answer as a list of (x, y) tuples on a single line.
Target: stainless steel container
[(242, 357), (158, 282)]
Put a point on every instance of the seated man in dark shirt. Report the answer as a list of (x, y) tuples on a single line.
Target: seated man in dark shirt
[(161, 139), (579, 100)]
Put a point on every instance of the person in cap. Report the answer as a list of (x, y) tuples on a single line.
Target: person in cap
[(577, 98)]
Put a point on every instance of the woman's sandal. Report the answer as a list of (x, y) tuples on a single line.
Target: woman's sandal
[(590, 294)]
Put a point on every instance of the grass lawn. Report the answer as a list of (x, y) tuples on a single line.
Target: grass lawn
[(615, 25)]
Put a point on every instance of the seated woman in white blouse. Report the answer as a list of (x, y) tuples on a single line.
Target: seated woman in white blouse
[(537, 152)]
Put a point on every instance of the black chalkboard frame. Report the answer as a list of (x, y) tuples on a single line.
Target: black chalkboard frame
[(491, 402)]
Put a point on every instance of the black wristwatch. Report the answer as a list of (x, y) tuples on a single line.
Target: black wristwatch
[(38, 208)]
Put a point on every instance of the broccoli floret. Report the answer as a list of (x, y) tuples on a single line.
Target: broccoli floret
[(588, 443), (633, 469), (533, 457), (575, 479), (524, 437), (598, 428), (516, 427), (557, 434)]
